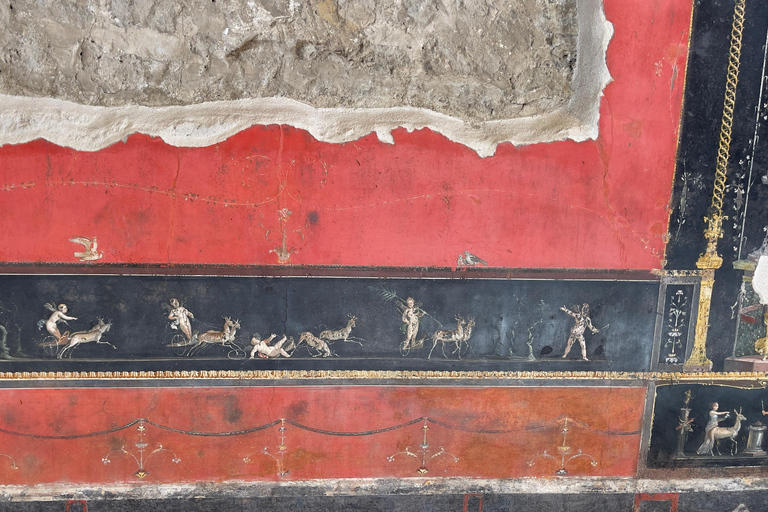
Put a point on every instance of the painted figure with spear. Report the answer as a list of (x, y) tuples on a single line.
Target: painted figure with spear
[(411, 314)]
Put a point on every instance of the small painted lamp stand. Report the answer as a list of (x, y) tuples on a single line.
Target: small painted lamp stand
[(141, 446), (424, 451), (281, 449), (564, 450)]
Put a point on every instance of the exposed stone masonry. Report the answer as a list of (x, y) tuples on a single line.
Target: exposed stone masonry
[(474, 59)]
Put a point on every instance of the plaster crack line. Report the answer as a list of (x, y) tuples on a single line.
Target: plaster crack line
[(174, 207)]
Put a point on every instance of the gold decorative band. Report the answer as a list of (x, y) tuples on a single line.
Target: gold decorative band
[(386, 375)]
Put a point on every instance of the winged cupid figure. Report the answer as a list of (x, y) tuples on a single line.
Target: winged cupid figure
[(58, 314), (91, 249)]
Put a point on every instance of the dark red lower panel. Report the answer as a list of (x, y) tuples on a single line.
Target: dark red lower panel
[(176, 435)]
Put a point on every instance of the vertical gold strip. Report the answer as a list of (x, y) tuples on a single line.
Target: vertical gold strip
[(710, 260), (698, 361)]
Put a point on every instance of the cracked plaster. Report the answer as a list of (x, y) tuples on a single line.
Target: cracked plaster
[(109, 73)]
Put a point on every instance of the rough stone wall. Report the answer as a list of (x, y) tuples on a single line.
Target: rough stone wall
[(476, 60)]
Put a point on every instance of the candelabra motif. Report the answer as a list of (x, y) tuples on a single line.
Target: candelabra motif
[(677, 323), (283, 252), (281, 449), (141, 446), (423, 453), (684, 426), (564, 450)]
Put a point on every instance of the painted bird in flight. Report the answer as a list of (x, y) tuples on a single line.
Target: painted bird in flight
[(91, 249)]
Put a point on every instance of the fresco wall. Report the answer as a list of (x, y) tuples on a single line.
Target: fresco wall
[(330, 323), (274, 194), (279, 318), (311, 432)]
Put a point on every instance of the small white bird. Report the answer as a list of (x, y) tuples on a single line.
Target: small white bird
[(91, 249), (469, 260)]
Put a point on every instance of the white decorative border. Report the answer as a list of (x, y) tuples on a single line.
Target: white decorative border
[(90, 128)]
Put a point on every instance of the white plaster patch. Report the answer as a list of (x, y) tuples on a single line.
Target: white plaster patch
[(90, 128), (760, 279)]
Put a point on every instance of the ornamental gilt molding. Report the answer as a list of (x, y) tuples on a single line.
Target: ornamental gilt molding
[(319, 375)]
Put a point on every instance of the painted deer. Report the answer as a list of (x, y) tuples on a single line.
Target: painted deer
[(715, 434), (341, 334), (465, 336), (93, 334), (447, 336), (225, 337), (316, 343)]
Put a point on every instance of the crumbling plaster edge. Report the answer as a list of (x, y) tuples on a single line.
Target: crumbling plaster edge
[(378, 486), (90, 128)]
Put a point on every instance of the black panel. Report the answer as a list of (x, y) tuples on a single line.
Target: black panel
[(746, 198), (518, 323), (669, 418), (721, 501)]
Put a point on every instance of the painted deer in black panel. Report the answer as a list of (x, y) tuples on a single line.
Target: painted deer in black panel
[(225, 337), (342, 334), (316, 343), (93, 334), (714, 435), (448, 336)]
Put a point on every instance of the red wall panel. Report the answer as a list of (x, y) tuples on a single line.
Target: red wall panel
[(494, 432), (419, 202)]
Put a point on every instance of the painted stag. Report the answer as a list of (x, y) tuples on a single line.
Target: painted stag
[(715, 434), (448, 336), (465, 337), (93, 334), (341, 334), (316, 343), (225, 337)]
